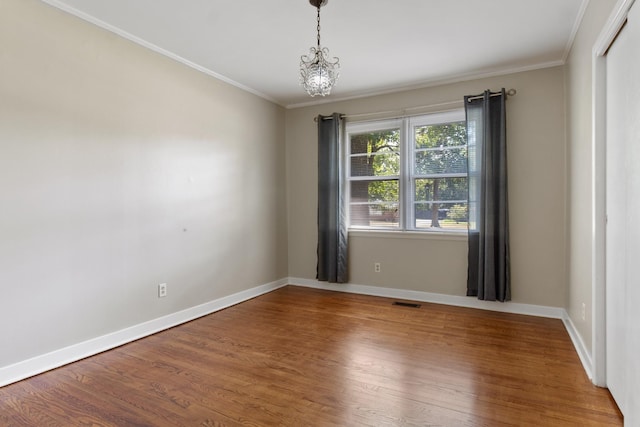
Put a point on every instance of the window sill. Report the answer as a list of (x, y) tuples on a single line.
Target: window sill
[(420, 235)]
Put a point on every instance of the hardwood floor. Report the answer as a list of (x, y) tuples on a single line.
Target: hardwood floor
[(305, 357)]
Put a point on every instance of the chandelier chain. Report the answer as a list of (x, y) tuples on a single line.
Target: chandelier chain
[(318, 71), (318, 27)]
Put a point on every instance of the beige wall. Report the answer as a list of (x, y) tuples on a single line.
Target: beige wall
[(579, 80), (536, 141), (121, 169)]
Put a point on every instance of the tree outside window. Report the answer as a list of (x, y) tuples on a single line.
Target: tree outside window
[(409, 174)]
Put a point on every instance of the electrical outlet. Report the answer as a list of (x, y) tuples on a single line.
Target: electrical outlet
[(162, 290), (376, 267), (584, 311)]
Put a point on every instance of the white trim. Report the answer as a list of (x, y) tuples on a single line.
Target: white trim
[(459, 236), (598, 227), (454, 300), (578, 343), (456, 79), (39, 364), (407, 175), (430, 83), (612, 27), (598, 187), (42, 363), (574, 30), (461, 301), (93, 20)]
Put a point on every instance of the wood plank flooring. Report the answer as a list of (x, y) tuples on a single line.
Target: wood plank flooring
[(306, 357)]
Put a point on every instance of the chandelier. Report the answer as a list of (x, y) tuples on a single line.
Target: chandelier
[(318, 71)]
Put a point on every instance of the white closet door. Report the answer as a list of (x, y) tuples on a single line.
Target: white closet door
[(623, 219)]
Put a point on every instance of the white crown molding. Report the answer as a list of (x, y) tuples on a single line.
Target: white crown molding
[(430, 83), (45, 362), (354, 95), (612, 27), (92, 20), (574, 30)]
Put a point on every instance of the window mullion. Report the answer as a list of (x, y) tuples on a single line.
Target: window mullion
[(407, 171), (346, 177), (376, 178), (433, 165)]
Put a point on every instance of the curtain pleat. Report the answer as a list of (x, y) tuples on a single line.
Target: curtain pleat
[(489, 264), (332, 226)]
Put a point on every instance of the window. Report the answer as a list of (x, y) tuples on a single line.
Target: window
[(408, 174)]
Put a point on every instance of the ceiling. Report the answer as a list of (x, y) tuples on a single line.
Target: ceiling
[(383, 45)]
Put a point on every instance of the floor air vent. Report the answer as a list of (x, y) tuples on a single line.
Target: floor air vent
[(407, 304)]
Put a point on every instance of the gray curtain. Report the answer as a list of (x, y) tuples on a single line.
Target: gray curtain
[(489, 265), (332, 226)]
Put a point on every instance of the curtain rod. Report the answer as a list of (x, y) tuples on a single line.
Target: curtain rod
[(399, 113), (402, 113), (510, 92)]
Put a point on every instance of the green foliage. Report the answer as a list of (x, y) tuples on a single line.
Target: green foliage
[(458, 213), (447, 189), (439, 149), (379, 155), (383, 191), (443, 135)]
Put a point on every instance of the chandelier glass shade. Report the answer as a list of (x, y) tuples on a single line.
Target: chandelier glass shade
[(318, 71)]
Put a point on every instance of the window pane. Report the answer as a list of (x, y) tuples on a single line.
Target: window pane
[(474, 181), (432, 159), (441, 216), (441, 160), (380, 164), (375, 142), (374, 203), (441, 203), (440, 190), (378, 215), (473, 214), (442, 135)]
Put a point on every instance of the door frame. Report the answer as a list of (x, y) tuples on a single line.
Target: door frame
[(598, 187)]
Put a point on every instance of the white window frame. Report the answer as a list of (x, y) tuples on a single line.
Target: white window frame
[(406, 202)]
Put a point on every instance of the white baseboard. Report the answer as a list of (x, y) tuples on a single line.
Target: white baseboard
[(463, 301), (460, 301), (39, 364), (578, 343)]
